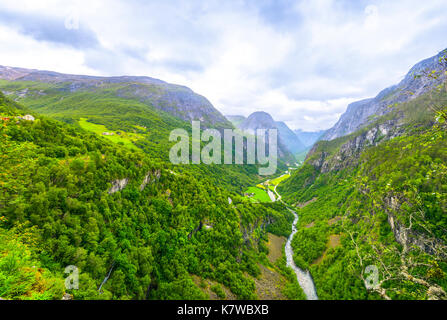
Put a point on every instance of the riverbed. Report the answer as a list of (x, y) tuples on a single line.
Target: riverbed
[(304, 278)]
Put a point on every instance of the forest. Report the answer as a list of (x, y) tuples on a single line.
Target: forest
[(58, 208)]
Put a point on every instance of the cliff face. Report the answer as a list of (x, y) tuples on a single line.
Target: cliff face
[(363, 124), (407, 236), (349, 151), (416, 82)]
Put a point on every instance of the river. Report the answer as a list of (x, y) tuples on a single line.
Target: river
[(304, 278)]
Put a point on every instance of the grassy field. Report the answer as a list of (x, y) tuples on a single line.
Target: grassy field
[(259, 194), (280, 179), (125, 138)]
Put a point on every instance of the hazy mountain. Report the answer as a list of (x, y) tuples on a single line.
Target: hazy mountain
[(258, 120), (177, 100), (288, 141), (289, 138), (309, 138), (236, 120), (361, 113)]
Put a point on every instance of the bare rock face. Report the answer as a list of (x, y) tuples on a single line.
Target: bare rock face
[(150, 177), (358, 114), (408, 237), (118, 185), (349, 152), (67, 296)]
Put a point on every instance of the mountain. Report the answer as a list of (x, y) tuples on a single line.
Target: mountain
[(236, 120), (309, 138), (288, 141), (263, 120), (361, 113), (372, 197), (258, 120), (176, 100), (109, 108), (289, 138)]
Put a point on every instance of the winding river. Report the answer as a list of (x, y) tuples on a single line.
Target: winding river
[(304, 278)]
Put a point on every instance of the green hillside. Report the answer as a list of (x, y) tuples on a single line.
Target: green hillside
[(153, 233), (384, 206), (138, 124)]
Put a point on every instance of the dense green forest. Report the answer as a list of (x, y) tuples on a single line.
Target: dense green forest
[(60, 206)]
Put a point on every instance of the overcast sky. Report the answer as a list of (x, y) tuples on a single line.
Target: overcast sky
[(301, 61)]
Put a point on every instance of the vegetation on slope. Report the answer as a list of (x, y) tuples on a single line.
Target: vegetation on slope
[(151, 238), (107, 109), (388, 211)]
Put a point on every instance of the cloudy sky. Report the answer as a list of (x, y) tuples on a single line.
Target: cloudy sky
[(302, 61)]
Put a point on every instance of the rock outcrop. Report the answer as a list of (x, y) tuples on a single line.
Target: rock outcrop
[(408, 237), (150, 177), (118, 185), (349, 152)]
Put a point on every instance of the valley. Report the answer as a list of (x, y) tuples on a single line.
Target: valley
[(86, 183)]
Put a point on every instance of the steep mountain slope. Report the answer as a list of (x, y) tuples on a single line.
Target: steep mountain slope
[(78, 199), (289, 138), (361, 113), (176, 100), (376, 200), (309, 138)]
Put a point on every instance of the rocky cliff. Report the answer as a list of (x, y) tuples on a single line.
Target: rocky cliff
[(350, 148), (419, 80)]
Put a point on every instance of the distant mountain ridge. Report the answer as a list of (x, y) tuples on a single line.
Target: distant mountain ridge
[(289, 138), (360, 113), (180, 101), (309, 138), (288, 141)]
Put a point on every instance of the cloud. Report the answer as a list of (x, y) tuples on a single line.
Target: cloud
[(302, 61), (49, 29)]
